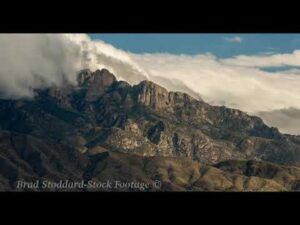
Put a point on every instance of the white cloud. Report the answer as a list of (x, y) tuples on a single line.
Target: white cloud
[(235, 39), (288, 120), (97, 54), (271, 60), (229, 82), (247, 88), (31, 61)]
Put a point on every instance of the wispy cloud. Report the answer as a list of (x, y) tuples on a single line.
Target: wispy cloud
[(235, 39), (273, 60), (240, 82), (236, 82)]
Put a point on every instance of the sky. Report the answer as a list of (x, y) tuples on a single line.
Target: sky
[(256, 73), (221, 45)]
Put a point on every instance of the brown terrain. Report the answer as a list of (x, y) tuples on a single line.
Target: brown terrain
[(104, 129)]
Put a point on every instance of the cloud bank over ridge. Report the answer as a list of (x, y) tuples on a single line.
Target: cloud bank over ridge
[(31, 61)]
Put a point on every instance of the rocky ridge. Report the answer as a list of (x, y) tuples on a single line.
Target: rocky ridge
[(143, 122)]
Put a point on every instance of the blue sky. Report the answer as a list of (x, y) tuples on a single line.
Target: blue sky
[(221, 45), (252, 72)]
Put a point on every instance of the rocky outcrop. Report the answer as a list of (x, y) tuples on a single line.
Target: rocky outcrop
[(151, 95), (103, 115), (158, 98), (95, 83), (146, 120)]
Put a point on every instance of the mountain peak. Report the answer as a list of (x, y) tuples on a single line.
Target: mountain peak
[(87, 77), (95, 82), (104, 117), (151, 94)]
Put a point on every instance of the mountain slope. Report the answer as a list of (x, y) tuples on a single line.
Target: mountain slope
[(145, 120), (53, 162)]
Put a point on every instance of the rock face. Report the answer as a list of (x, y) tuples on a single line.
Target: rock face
[(102, 115), (96, 83), (152, 95)]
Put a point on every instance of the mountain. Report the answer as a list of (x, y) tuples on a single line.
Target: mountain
[(103, 129)]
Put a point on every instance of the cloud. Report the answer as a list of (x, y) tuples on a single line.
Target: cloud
[(287, 119), (235, 39), (96, 54), (29, 61), (227, 82), (272, 60), (32, 61), (175, 85), (249, 89)]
